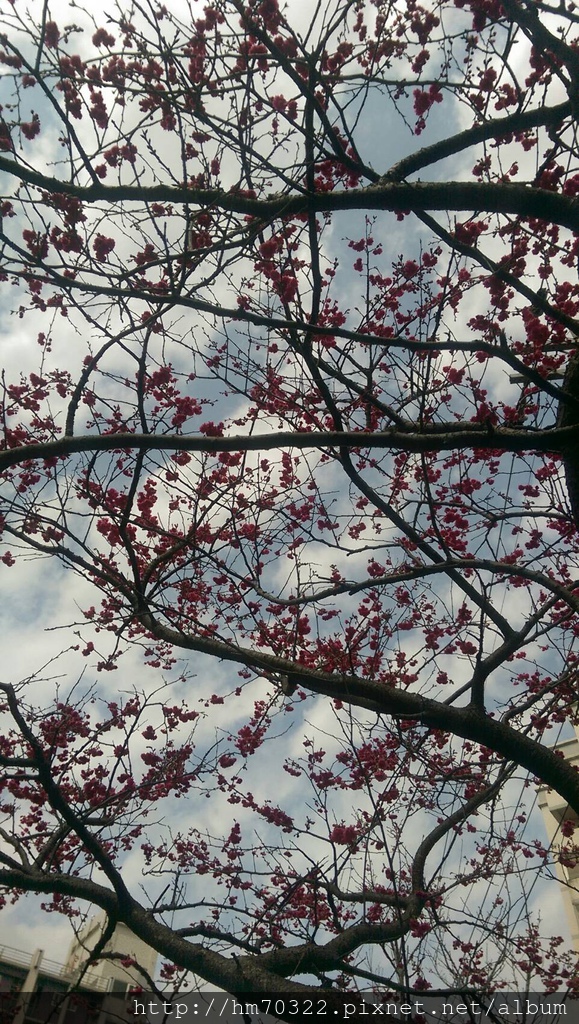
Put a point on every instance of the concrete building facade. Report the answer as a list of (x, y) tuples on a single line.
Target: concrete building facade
[(35, 989), (555, 811), (118, 974)]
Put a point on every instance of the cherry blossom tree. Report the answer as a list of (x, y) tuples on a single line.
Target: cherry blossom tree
[(290, 298)]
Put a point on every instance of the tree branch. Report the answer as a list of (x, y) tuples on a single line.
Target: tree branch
[(438, 437), (517, 199)]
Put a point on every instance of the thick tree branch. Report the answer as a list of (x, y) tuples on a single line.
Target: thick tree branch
[(466, 722), (521, 121), (516, 199), (438, 437)]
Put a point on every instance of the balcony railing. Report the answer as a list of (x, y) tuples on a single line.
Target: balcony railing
[(52, 969)]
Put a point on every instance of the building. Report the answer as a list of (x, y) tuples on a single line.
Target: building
[(117, 975), (555, 811), (35, 989)]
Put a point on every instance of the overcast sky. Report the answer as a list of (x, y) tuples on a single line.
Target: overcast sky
[(40, 600)]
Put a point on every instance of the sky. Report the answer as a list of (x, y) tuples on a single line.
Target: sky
[(41, 600)]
